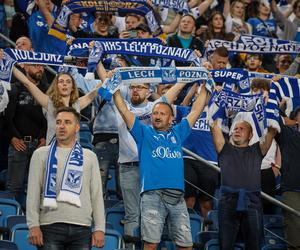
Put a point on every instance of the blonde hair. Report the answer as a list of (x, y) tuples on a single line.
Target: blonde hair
[(56, 97)]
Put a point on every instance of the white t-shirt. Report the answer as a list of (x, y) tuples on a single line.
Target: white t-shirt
[(236, 25)]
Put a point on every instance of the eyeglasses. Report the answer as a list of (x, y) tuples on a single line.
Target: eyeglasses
[(138, 87)]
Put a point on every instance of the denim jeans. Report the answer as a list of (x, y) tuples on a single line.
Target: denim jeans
[(155, 212), (63, 236), (107, 153), (18, 165), (130, 186), (249, 222)]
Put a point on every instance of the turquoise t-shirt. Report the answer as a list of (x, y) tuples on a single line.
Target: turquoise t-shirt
[(185, 42), (160, 155)]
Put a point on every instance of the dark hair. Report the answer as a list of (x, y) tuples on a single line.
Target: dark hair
[(191, 16), (296, 4), (261, 83), (166, 104), (69, 110), (260, 56), (221, 51)]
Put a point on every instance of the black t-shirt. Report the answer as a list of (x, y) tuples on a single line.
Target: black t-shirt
[(289, 144), (240, 167)]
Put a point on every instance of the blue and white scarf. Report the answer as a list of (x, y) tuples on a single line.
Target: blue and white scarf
[(177, 5), (71, 183), (168, 75), (227, 104), (257, 45), (6, 66), (140, 7), (128, 47), (286, 88), (80, 46), (31, 57), (233, 78)]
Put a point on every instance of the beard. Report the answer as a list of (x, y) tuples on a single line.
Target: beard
[(136, 100), (36, 76)]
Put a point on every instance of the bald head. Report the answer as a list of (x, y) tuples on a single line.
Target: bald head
[(24, 43)]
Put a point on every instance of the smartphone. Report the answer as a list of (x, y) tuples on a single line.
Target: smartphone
[(133, 33)]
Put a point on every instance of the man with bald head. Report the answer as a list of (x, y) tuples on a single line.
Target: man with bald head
[(24, 43), (240, 202)]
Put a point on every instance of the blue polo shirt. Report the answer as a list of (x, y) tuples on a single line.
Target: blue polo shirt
[(260, 28), (160, 155)]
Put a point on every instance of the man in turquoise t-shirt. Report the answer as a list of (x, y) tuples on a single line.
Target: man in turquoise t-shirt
[(161, 170)]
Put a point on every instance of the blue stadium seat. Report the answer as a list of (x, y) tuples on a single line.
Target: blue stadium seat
[(214, 245), (19, 235), (196, 224), (273, 220), (12, 220), (205, 236), (86, 136), (271, 240), (113, 240), (7, 245), (114, 215), (274, 247), (8, 207), (212, 217)]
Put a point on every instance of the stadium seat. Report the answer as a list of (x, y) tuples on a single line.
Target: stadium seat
[(214, 245), (274, 247), (212, 221), (12, 220), (19, 235), (86, 136), (273, 220), (196, 224), (205, 236), (273, 241), (7, 245), (114, 216), (7, 195), (113, 240), (8, 207)]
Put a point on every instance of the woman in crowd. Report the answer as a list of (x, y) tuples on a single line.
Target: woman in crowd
[(216, 29), (235, 17), (62, 92)]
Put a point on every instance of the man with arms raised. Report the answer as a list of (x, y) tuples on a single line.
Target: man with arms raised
[(161, 170), (240, 202)]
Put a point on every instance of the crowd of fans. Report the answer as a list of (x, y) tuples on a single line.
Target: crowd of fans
[(35, 95)]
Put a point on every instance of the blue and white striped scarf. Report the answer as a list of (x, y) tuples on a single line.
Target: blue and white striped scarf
[(177, 5), (71, 183), (120, 7), (257, 45), (136, 75), (227, 104)]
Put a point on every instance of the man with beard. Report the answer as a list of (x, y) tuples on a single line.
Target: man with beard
[(128, 153), (27, 128)]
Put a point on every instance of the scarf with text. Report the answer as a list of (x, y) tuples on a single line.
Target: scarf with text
[(120, 7), (257, 45), (167, 75), (225, 104), (71, 183)]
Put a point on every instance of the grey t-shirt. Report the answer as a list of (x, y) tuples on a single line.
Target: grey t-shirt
[(240, 167), (50, 116)]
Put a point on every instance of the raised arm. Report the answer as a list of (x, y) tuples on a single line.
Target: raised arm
[(197, 107), (38, 95), (218, 137), (173, 92), (226, 9), (127, 116), (172, 27), (265, 144), (85, 100)]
